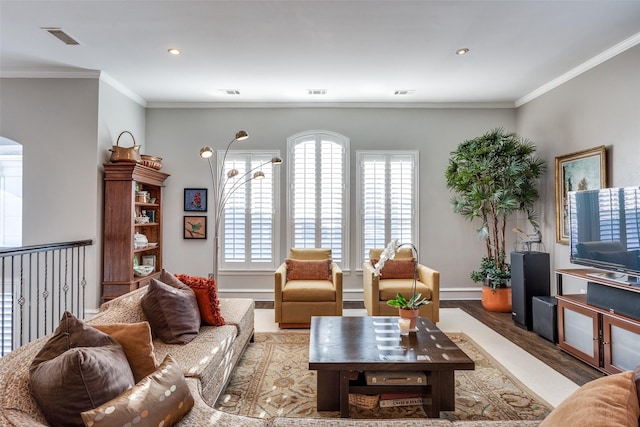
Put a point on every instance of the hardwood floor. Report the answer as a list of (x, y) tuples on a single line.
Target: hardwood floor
[(548, 352)]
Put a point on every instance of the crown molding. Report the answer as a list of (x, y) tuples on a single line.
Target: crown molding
[(585, 66), (87, 74), (439, 105), (123, 89)]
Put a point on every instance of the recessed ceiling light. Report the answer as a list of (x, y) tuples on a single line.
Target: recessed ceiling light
[(174, 51), (462, 51), (316, 91), (403, 91)]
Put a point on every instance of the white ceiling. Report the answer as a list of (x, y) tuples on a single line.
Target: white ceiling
[(359, 51)]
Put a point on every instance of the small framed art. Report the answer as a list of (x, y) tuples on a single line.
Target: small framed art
[(583, 170), (195, 227), (195, 199)]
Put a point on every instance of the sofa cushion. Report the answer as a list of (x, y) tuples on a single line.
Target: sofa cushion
[(206, 295), (172, 311), (137, 343), (397, 268), (610, 401), (77, 369), (160, 399), (308, 269)]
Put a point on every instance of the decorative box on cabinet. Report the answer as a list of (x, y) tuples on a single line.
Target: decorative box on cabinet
[(599, 336), (120, 209), (530, 277)]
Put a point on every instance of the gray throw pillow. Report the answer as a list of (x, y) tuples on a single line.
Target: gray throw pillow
[(78, 369), (172, 311)]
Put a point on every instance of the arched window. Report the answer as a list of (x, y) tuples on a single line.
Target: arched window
[(318, 192)]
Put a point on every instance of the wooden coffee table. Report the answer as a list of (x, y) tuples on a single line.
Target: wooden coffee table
[(341, 349)]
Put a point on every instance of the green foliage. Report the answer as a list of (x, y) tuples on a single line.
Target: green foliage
[(491, 273), (413, 304), (494, 176)]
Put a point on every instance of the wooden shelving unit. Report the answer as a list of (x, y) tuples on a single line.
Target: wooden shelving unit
[(120, 210)]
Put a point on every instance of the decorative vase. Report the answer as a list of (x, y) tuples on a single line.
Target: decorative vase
[(498, 299), (412, 315)]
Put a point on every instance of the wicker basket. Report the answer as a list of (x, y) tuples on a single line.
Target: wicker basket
[(151, 161), (364, 400)]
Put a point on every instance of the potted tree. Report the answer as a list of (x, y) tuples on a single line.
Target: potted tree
[(494, 176)]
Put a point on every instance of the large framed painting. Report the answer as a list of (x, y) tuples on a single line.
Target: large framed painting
[(583, 170)]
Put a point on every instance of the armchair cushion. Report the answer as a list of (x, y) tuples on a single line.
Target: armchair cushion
[(397, 268), (308, 269), (391, 287), (308, 291), (309, 253)]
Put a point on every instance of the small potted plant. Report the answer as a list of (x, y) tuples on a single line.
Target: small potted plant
[(407, 308), (494, 176)]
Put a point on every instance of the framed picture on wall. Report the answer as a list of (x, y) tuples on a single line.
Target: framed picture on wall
[(195, 199), (583, 170), (195, 227)]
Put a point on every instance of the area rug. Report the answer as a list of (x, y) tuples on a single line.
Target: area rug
[(272, 379)]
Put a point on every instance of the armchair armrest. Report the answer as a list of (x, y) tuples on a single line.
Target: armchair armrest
[(371, 284), (336, 276), (431, 278), (280, 278)]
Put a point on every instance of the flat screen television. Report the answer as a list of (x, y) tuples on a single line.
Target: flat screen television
[(604, 232)]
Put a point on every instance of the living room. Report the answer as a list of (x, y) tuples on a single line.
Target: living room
[(67, 125)]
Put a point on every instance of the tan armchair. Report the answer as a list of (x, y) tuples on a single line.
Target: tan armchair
[(378, 290), (295, 301)]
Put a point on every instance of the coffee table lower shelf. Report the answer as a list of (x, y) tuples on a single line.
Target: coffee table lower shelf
[(333, 389)]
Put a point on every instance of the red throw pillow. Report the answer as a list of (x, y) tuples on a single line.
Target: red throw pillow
[(299, 269), (207, 297), (402, 268)]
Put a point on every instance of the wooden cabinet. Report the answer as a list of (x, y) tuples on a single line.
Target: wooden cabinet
[(121, 207), (602, 338)]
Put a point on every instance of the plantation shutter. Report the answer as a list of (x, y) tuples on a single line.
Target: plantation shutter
[(318, 199), (632, 220), (388, 199), (248, 218)]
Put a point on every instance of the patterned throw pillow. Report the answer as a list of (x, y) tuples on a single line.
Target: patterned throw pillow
[(298, 269), (402, 268), (207, 297), (160, 399), (77, 369)]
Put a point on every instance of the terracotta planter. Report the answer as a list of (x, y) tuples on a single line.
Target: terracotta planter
[(498, 300), (412, 315)]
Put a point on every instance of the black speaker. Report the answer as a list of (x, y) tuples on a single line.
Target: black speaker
[(530, 276), (545, 317), (613, 299)]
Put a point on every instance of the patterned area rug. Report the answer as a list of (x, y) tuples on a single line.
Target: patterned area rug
[(273, 379)]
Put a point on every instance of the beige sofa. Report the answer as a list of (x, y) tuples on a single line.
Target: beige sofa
[(207, 362)]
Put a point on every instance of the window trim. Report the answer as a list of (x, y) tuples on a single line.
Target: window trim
[(346, 168), (232, 267), (360, 155)]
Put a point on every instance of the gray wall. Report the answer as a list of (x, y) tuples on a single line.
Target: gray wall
[(447, 242), (599, 107)]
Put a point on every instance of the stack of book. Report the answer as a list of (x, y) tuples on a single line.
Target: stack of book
[(388, 400)]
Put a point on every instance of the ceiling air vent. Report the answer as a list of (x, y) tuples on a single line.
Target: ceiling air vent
[(62, 36), (230, 91), (316, 91), (403, 92)]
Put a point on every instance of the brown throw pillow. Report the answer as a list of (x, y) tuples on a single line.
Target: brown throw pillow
[(160, 399), (402, 268), (171, 311), (137, 343), (308, 269), (608, 401), (78, 369), (206, 295)]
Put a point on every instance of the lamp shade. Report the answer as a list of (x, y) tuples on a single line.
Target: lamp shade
[(241, 135), (258, 175), (206, 152)]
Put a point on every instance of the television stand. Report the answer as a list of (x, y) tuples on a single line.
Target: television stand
[(623, 278)]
